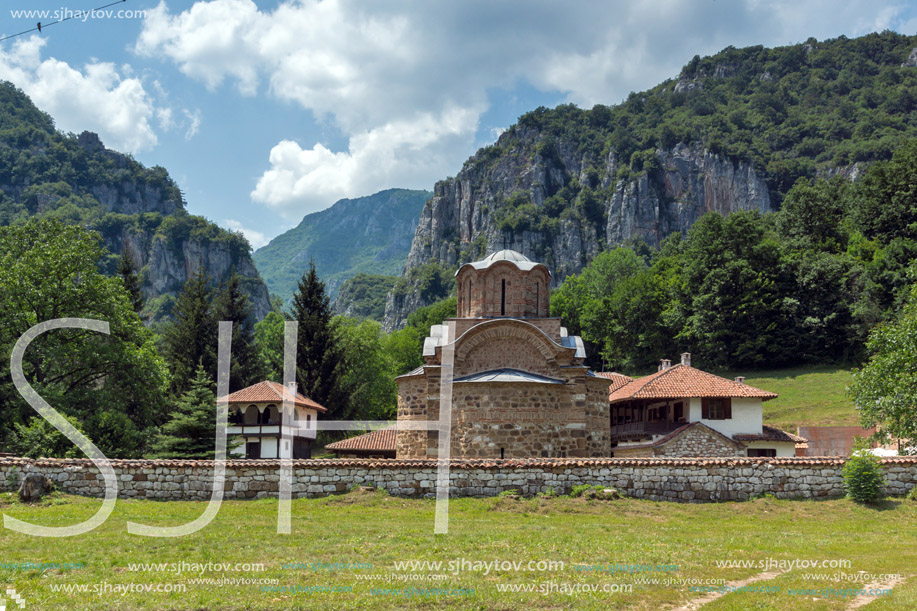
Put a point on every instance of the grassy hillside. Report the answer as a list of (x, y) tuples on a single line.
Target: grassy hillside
[(369, 235), (365, 534), (809, 396)]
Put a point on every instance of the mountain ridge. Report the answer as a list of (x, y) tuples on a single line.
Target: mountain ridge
[(733, 131), (370, 234), (137, 210)]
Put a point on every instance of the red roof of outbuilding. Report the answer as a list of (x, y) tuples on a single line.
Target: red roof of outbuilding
[(382, 440), (617, 380), (270, 392), (680, 381)]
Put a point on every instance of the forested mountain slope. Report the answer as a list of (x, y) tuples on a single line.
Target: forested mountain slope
[(733, 132), (136, 209)]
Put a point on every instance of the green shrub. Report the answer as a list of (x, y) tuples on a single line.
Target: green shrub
[(912, 495), (863, 477), (582, 489), (12, 479)]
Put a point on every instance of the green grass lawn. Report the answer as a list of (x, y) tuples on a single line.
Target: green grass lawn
[(372, 528)]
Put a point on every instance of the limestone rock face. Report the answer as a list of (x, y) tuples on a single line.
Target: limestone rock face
[(136, 204), (462, 221), (164, 267), (691, 183), (911, 59)]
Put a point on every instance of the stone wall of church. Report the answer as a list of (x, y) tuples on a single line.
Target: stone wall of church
[(412, 405), (598, 417), (522, 419), (517, 420)]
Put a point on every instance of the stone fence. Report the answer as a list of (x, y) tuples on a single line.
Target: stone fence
[(661, 479)]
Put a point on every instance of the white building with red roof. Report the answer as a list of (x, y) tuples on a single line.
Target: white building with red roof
[(256, 415), (680, 411)]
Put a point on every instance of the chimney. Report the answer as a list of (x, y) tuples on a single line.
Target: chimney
[(686, 358), (291, 388), (740, 379), (664, 364)]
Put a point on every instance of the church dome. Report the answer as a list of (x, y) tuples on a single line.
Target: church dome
[(504, 284), (515, 257)]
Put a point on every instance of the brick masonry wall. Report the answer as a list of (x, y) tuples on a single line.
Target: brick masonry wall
[(682, 480)]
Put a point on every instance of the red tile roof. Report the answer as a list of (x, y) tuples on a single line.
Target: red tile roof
[(382, 440), (769, 433), (680, 381), (270, 392), (617, 380)]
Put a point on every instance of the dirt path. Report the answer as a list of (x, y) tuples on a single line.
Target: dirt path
[(862, 601), (699, 602)]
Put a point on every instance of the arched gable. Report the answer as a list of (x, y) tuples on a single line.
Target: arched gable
[(508, 343)]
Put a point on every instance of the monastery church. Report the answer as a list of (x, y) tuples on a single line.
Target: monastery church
[(520, 389)]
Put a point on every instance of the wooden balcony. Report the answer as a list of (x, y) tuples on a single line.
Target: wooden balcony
[(297, 429)]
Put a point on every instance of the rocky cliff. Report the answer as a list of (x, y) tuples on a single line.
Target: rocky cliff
[(136, 209), (466, 217), (733, 131), (165, 265)]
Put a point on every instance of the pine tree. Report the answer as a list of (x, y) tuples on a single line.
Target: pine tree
[(318, 362), (233, 305), (189, 432), (191, 338), (131, 280)]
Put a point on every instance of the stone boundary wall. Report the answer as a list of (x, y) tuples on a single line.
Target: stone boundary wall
[(661, 479)]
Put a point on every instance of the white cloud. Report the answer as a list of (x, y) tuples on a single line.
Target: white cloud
[(255, 238), (194, 122), (164, 115), (306, 180), (372, 69), (97, 98)]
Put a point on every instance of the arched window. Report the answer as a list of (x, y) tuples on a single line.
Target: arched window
[(250, 415), (503, 298), (269, 415)]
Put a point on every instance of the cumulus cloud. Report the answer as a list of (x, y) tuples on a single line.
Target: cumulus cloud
[(255, 238), (99, 98), (374, 68), (307, 180)]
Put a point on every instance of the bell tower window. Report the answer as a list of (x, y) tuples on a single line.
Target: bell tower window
[(503, 299)]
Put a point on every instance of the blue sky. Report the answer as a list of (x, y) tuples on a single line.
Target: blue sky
[(264, 112)]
